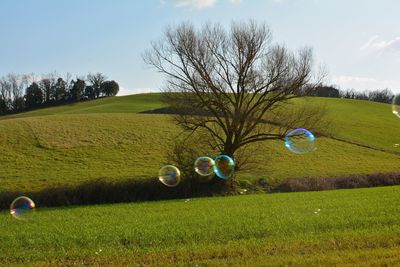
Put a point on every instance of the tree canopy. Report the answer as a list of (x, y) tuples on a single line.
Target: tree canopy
[(232, 83)]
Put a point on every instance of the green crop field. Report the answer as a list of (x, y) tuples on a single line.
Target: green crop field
[(108, 139), (353, 227)]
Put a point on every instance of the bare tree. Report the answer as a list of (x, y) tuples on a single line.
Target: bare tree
[(233, 84), (46, 86), (17, 85), (96, 80), (5, 95)]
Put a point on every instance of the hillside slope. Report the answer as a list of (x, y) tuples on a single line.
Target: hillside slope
[(116, 104), (107, 139), (360, 121)]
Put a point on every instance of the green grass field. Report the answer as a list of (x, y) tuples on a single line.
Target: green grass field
[(107, 139), (364, 122), (343, 227)]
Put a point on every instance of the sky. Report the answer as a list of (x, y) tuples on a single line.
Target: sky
[(358, 42)]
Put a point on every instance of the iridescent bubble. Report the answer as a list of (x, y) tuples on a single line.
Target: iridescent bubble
[(224, 166), (300, 141), (204, 166), (396, 105), (22, 208), (169, 175)]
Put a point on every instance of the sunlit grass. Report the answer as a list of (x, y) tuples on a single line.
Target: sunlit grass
[(346, 226), (67, 149)]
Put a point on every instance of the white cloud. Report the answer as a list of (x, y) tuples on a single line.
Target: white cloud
[(374, 44), (198, 4), (365, 83), (369, 42)]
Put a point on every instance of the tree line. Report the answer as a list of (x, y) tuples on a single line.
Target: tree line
[(22, 92), (381, 96)]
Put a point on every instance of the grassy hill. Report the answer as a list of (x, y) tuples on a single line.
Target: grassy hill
[(107, 139), (360, 121), (124, 104), (331, 228)]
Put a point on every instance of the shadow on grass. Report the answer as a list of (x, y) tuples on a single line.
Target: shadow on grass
[(101, 192), (345, 182)]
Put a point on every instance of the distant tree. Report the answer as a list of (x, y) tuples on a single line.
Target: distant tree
[(320, 91), (68, 86), (327, 91), (353, 94), (60, 91), (77, 90), (96, 80), (109, 88), (17, 85), (3, 106), (21, 91), (361, 95), (19, 103), (33, 96), (5, 94), (382, 96), (90, 92), (47, 88)]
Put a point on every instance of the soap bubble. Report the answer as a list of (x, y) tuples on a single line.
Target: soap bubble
[(169, 175), (224, 166), (300, 141), (22, 208), (204, 166), (396, 105)]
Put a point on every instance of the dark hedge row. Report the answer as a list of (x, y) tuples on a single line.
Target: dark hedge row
[(101, 191)]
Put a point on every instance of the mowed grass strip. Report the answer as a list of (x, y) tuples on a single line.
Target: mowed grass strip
[(359, 226)]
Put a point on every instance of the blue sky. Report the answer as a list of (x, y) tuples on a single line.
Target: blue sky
[(358, 41)]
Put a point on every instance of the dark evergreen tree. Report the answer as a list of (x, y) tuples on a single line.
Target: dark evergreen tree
[(77, 90), (60, 90), (33, 96), (47, 86), (90, 93), (19, 104), (3, 106)]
